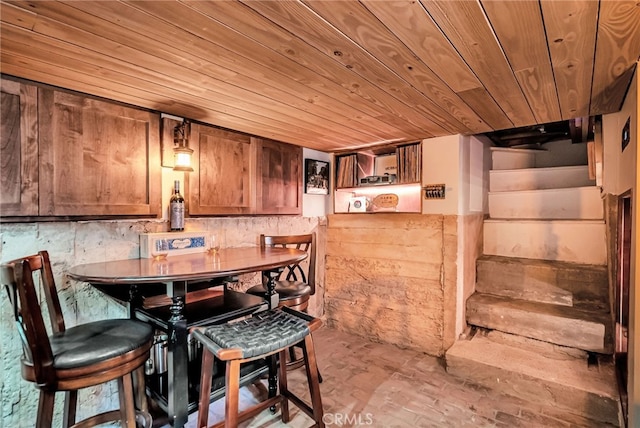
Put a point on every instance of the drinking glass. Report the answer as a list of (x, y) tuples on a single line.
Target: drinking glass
[(215, 241), (160, 249)]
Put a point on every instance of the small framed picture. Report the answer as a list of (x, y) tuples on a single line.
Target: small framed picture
[(316, 177)]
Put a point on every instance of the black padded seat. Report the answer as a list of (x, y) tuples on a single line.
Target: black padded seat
[(263, 335), (297, 282), (287, 290), (92, 343)]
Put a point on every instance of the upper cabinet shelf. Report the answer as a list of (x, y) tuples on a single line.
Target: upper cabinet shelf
[(399, 165)]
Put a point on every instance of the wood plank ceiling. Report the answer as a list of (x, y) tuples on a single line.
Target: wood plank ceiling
[(335, 75)]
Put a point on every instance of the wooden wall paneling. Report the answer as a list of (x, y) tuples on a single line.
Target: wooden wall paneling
[(449, 277), (223, 180), (570, 27), (97, 158), (19, 181), (279, 177), (387, 276), (528, 56), (466, 26), (390, 242), (616, 54)]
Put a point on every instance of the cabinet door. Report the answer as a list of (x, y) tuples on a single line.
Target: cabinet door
[(18, 149), (279, 178), (97, 158), (222, 182)]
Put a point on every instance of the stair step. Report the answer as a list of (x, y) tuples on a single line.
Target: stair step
[(539, 178), (581, 203), (505, 158), (545, 281), (581, 328), (552, 377), (578, 241)]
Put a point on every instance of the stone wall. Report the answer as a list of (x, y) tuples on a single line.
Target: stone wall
[(71, 243), (392, 278)]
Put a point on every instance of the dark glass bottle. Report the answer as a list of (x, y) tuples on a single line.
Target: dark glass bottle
[(176, 209)]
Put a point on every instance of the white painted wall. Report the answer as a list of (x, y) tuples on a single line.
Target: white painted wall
[(479, 167), (440, 165), (561, 153), (462, 163), (619, 166)]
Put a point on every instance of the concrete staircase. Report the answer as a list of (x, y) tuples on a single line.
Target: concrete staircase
[(541, 326)]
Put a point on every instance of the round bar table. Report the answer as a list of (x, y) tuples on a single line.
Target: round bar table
[(130, 279)]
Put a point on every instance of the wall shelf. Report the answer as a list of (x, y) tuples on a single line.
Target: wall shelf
[(408, 199), (366, 183)]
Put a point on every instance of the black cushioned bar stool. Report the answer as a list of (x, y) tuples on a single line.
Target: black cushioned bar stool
[(261, 336), (72, 358)]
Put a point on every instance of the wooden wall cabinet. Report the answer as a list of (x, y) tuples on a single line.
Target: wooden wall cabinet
[(236, 173), (65, 155), (222, 182), (18, 149), (279, 177), (80, 156)]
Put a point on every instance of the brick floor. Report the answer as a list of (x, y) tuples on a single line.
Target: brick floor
[(379, 385)]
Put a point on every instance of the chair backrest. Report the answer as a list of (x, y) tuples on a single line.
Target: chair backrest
[(296, 272), (17, 277)]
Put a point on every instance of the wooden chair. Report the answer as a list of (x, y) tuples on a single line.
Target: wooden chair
[(295, 285), (264, 335), (72, 358)]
